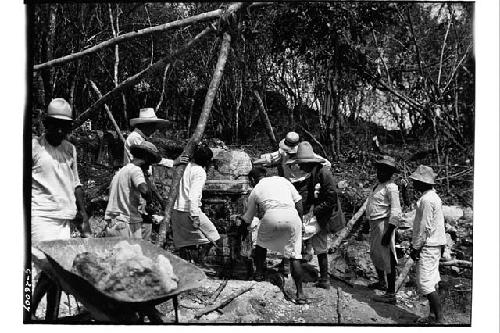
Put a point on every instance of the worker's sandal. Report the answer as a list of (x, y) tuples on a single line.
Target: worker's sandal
[(301, 300), (386, 298)]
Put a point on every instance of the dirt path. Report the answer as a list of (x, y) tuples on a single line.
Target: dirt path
[(265, 303)]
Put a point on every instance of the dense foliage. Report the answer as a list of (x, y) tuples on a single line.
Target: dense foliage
[(329, 68)]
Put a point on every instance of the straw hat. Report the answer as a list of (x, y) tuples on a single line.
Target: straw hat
[(424, 174), (60, 109), (305, 154), (388, 161), (148, 116), (146, 150), (290, 142)]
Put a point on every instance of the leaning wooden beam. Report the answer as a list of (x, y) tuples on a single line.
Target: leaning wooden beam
[(404, 273), (265, 119), (348, 227), (108, 111), (313, 139), (131, 35), (137, 77), (457, 263), (197, 135), (409, 264)]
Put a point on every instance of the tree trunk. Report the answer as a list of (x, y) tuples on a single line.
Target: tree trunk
[(48, 75), (197, 135), (115, 28)]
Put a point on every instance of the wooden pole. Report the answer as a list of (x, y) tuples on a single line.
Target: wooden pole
[(137, 77), (197, 135), (404, 273), (348, 227), (313, 139), (108, 111), (265, 119)]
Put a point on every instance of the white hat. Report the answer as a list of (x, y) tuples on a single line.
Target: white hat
[(290, 143), (60, 109), (425, 174), (147, 116)]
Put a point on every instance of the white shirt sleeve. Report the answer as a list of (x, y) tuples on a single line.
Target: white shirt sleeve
[(198, 178), (396, 213), (272, 158), (74, 169), (251, 207), (426, 224), (166, 162), (137, 177)]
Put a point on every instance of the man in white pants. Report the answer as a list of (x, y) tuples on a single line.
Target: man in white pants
[(56, 192), (428, 240)]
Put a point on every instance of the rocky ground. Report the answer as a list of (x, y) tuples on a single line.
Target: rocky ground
[(267, 303)]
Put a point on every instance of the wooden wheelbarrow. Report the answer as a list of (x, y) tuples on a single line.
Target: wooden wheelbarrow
[(57, 262)]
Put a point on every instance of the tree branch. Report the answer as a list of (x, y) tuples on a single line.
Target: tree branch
[(456, 68), (140, 33), (108, 111), (442, 52), (137, 77)]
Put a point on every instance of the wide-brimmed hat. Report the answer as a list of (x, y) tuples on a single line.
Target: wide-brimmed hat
[(59, 109), (148, 116), (389, 162), (305, 154), (146, 150), (424, 174), (290, 142)]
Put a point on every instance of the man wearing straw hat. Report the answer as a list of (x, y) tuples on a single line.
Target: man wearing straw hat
[(383, 211), (128, 185), (428, 240), (56, 191), (321, 196), (287, 150), (144, 126)]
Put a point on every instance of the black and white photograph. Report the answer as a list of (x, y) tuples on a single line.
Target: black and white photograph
[(254, 163)]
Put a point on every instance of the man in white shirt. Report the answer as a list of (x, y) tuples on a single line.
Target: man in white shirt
[(428, 240), (279, 207), (56, 191), (144, 126), (192, 230), (128, 185)]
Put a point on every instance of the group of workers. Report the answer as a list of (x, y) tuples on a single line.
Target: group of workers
[(275, 210)]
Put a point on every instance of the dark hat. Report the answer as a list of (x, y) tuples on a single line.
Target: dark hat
[(305, 154), (388, 161), (146, 150)]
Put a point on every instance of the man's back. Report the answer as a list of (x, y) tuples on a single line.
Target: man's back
[(276, 189), (124, 194)]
